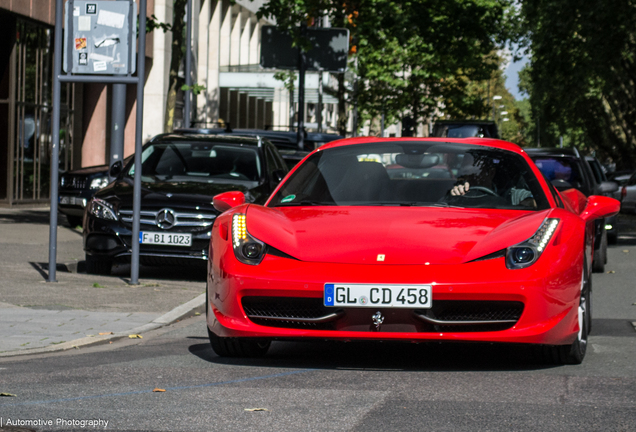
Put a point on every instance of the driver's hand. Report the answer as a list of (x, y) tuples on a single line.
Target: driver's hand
[(460, 189)]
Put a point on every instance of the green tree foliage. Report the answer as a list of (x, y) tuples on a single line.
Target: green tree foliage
[(409, 56), (582, 75), (505, 110)]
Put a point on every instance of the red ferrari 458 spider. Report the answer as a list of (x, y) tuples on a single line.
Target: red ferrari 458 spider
[(413, 239)]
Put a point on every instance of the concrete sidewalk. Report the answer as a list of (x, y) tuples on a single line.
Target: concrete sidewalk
[(79, 309)]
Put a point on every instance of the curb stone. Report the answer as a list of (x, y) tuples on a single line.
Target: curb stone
[(162, 321)]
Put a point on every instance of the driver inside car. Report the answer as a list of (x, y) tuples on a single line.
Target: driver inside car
[(480, 173)]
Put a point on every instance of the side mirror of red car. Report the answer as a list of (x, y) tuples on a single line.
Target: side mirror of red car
[(228, 200), (600, 206)]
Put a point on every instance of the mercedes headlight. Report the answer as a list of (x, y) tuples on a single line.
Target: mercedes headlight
[(102, 209), (247, 249), (525, 254), (99, 182)]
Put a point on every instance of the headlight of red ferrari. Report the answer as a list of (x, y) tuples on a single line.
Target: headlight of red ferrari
[(528, 252), (247, 249)]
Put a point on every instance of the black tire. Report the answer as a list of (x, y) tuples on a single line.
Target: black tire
[(238, 347), (589, 305), (74, 221), (612, 238), (207, 302), (574, 353), (600, 255), (98, 266)]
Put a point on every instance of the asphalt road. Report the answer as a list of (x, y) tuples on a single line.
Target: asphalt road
[(338, 386)]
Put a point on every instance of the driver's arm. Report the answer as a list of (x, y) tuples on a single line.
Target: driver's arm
[(522, 196)]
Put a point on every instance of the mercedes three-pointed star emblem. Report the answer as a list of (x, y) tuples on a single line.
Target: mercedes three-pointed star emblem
[(165, 218)]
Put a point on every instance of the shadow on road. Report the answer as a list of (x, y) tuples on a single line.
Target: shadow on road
[(122, 271), (36, 216), (387, 356), (182, 273)]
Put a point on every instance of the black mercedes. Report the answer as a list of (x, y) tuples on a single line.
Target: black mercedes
[(180, 176)]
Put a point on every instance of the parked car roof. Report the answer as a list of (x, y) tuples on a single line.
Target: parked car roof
[(465, 129), (230, 139), (281, 139), (553, 151)]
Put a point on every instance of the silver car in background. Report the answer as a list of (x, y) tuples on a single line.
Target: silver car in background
[(627, 195)]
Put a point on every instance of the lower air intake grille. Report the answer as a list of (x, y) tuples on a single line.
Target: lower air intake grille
[(453, 310), (290, 312), (468, 315)]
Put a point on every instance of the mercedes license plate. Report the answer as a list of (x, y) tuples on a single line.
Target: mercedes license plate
[(65, 199), (168, 239), (374, 295)]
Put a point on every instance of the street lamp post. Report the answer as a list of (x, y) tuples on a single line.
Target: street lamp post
[(494, 98)]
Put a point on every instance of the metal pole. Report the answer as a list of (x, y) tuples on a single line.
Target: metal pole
[(141, 76), (382, 124), (103, 79), (291, 103), (118, 123), (319, 112), (69, 44), (55, 150), (300, 134), (118, 105), (188, 66)]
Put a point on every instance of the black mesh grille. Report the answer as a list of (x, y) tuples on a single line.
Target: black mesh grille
[(464, 310), (286, 307), (454, 310), (73, 182)]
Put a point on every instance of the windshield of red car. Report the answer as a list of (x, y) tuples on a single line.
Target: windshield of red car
[(201, 162), (414, 174)]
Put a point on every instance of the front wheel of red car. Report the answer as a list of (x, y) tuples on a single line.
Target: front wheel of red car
[(238, 347), (574, 353)]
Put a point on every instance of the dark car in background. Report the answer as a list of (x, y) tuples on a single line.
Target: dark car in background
[(76, 188), (292, 157), (181, 173), (608, 188), (465, 129), (566, 168), (621, 177), (627, 195)]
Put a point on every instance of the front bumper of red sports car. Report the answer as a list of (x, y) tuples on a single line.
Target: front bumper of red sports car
[(480, 301)]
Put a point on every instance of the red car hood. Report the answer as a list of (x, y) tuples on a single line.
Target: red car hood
[(404, 235)]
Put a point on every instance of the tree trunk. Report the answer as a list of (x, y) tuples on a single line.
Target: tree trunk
[(178, 25)]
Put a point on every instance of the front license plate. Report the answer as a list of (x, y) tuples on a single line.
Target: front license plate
[(372, 295), (65, 199), (159, 238)]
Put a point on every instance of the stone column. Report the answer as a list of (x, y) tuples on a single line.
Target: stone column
[(203, 38), (213, 93), (156, 90)]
